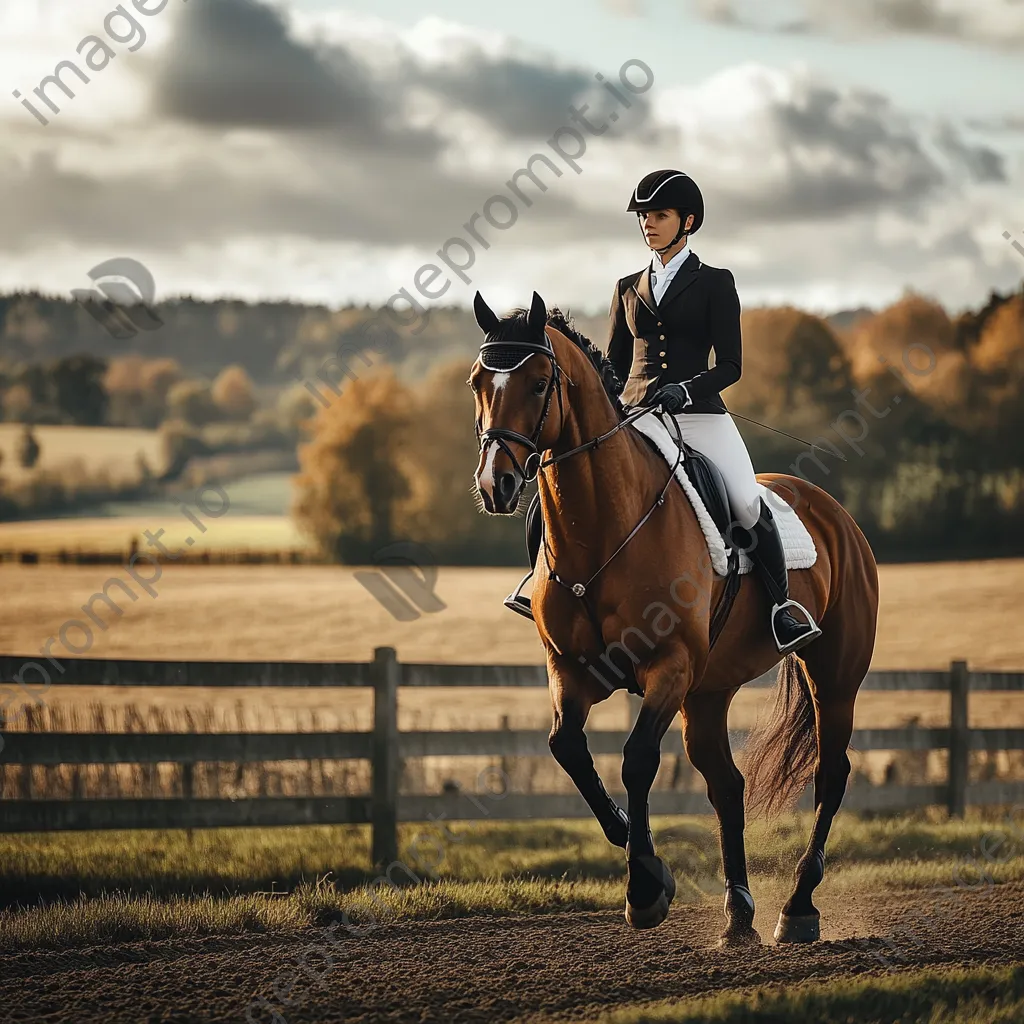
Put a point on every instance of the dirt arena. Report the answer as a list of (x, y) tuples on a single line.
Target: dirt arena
[(557, 967)]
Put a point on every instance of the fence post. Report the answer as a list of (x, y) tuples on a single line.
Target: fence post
[(386, 765), (959, 737), (188, 792)]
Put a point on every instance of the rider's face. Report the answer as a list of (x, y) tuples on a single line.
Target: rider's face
[(660, 227)]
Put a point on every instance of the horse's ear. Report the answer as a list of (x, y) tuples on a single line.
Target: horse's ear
[(538, 317), (485, 316)]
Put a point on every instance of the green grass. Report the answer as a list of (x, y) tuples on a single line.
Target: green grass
[(118, 918), (70, 889), (977, 996), (910, 851)]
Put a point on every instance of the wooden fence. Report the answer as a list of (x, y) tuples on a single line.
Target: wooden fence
[(385, 747), (119, 557)]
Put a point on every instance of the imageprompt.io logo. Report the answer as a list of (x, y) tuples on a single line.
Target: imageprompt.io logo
[(404, 580), (121, 303)]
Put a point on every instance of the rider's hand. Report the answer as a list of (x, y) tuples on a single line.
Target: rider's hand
[(672, 398)]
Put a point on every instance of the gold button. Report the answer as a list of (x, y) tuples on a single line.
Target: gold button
[(661, 353), (664, 366), (661, 338), (659, 323)]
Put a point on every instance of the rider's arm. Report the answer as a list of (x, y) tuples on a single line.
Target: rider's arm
[(620, 337), (724, 327)]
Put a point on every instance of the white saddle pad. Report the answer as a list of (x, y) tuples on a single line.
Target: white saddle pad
[(796, 541)]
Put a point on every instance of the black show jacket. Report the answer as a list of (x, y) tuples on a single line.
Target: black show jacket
[(669, 342)]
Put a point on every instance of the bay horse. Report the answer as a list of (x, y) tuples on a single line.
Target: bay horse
[(546, 408)]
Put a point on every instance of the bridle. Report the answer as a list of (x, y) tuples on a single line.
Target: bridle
[(505, 352), (505, 356)]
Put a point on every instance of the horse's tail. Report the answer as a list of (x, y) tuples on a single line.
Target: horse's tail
[(779, 756)]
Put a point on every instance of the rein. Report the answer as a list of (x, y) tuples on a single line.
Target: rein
[(534, 464), (580, 589)]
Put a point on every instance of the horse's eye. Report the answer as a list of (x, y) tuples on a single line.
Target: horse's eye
[(540, 387)]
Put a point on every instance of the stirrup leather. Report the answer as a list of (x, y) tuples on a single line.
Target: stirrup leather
[(813, 633)]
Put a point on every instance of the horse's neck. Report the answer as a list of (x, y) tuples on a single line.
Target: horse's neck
[(592, 500)]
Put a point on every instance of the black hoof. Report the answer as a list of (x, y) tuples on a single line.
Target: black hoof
[(735, 937), (648, 876), (806, 928)]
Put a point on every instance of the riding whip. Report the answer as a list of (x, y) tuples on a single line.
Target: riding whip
[(837, 454)]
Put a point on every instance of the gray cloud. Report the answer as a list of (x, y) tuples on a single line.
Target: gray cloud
[(981, 163), (998, 23), (804, 150), (321, 193), (518, 97), (233, 63), (340, 174)]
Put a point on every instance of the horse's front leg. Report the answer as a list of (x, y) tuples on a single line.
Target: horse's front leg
[(572, 696), (650, 886)]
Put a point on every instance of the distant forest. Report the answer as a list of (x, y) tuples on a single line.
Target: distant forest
[(928, 409)]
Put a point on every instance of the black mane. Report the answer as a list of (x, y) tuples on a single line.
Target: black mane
[(514, 327)]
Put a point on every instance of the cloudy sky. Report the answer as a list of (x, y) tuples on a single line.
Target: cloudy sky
[(318, 151)]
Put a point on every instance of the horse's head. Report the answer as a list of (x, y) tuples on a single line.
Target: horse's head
[(515, 380)]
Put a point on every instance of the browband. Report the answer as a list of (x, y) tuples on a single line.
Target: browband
[(510, 355)]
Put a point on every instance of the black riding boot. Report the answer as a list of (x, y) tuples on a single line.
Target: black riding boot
[(767, 554), (534, 531)]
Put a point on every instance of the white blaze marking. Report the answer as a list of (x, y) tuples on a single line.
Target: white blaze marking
[(488, 473), (499, 380)]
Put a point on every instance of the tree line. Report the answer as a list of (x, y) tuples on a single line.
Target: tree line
[(927, 410)]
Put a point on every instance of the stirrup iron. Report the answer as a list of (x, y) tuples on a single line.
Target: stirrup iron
[(517, 603), (801, 641)]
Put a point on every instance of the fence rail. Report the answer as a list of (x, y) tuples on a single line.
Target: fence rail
[(385, 748)]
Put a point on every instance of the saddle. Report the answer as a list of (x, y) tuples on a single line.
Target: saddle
[(709, 484)]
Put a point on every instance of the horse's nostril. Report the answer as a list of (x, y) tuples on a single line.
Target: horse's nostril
[(506, 487)]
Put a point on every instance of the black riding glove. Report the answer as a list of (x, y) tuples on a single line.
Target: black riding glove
[(672, 398)]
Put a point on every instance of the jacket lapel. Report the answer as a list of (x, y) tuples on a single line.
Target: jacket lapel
[(643, 289), (685, 276)]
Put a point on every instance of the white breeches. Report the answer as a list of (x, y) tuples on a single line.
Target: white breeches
[(715, 435)]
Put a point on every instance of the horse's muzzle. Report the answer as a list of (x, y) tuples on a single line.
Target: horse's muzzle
[(501, 493)]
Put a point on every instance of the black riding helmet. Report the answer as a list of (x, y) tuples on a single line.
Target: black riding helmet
[(669, 190)]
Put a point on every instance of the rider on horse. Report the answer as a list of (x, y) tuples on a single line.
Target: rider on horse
[(661, 334)]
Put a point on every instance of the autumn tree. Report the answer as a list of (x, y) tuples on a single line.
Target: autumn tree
[(295, 408), (795, 373), (443, 510), (192, 402), (17, 403), (233, 393), (138, 389), (356, 469)]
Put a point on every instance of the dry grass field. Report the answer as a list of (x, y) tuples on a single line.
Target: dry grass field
[(930, 614), (114, 533), (113, 448)]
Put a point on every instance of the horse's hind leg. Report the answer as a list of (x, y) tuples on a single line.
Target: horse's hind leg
[(706, 736), (835, 676), (571, 703)]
